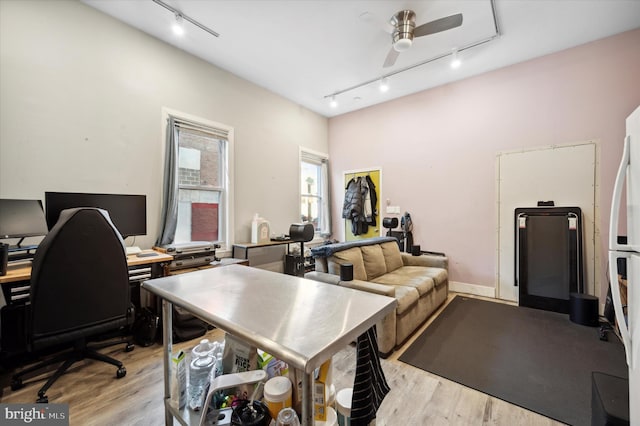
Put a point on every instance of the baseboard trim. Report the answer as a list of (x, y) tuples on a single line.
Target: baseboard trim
[(475, 289)]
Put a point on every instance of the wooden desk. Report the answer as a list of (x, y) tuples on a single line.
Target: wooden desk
[(21, 271), (17, 272), (15, 284), (15, 292)]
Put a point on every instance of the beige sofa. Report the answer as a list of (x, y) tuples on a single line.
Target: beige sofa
[(419, 283)]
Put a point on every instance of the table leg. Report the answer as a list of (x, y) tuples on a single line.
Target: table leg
[(167, 335), (307, 400)]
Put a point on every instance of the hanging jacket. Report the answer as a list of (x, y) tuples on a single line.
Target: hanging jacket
[(352, 206), (363, 222), (373, 202)]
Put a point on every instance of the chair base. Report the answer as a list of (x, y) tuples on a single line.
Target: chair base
[(79, 352)]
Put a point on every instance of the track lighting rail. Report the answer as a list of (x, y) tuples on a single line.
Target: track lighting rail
[(186, 18)]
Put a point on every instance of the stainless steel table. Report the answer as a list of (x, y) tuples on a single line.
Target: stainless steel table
[(300, 321)]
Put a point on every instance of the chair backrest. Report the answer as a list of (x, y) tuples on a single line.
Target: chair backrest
[(79, 279)]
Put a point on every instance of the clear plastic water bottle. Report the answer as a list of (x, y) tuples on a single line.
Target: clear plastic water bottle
[(200, 369), (218, 351), (287, 417)]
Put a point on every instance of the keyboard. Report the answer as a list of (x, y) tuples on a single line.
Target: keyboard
[(147, 254)]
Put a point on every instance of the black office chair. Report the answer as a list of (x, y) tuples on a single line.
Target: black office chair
[(79, 292)]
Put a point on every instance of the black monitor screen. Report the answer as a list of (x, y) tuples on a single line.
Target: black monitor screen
[(21, 218), (128, 212)]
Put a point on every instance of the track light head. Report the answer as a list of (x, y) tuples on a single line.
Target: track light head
[(177, 27), (455, 59), (384, 85)]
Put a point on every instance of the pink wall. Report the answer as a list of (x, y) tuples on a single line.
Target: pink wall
[(437, 148)]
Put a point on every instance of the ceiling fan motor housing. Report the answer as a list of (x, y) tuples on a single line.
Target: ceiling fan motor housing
[(404, 23)]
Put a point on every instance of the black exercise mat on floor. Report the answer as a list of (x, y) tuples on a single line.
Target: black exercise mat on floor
[(536, 359)]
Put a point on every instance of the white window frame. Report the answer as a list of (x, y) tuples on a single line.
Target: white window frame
[(320, 156), (228, 194)]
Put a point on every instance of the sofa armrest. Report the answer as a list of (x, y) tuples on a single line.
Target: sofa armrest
[(324, 277), (385, 290), (425, 260)]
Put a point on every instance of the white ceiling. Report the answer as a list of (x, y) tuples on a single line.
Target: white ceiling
[(307, 50)]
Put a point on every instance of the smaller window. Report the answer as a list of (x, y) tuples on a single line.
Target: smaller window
[(314, 191)]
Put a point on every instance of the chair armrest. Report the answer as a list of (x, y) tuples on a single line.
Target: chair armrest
[(429, 260), (382, 289)]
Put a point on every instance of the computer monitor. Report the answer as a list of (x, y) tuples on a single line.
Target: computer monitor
[(21, 218), (128, 212)]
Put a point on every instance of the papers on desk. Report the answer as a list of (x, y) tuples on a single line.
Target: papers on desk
[(133, 250)]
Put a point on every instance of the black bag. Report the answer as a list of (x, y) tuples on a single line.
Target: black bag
[(187, 326), (145, 328)]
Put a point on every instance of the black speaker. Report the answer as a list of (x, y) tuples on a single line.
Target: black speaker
[(583, 309), (415, 250), (346, 272)]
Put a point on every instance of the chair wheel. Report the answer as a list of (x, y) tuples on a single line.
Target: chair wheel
[(129, 347), (16, 384), (121, 372), (44, 399)]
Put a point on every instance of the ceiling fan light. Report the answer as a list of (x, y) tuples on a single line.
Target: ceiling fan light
[(402, 45)]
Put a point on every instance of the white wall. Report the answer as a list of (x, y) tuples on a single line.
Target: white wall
[(80, 110)]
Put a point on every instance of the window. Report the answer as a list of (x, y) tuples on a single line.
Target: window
[(314, 191), (198, 185)]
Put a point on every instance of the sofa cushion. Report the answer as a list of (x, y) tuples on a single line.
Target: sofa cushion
[(439, 275), (374, 263), (392, 256), (407, 297), (411, 276), (353, 256)]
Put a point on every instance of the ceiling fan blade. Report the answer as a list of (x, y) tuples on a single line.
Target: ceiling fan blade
[(438, 25), (375, 21), (391, 57)]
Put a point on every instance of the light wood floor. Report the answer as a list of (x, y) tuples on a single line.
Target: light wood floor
[(96, 397)]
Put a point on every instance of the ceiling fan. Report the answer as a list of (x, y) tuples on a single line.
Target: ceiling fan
[(404, 30)]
